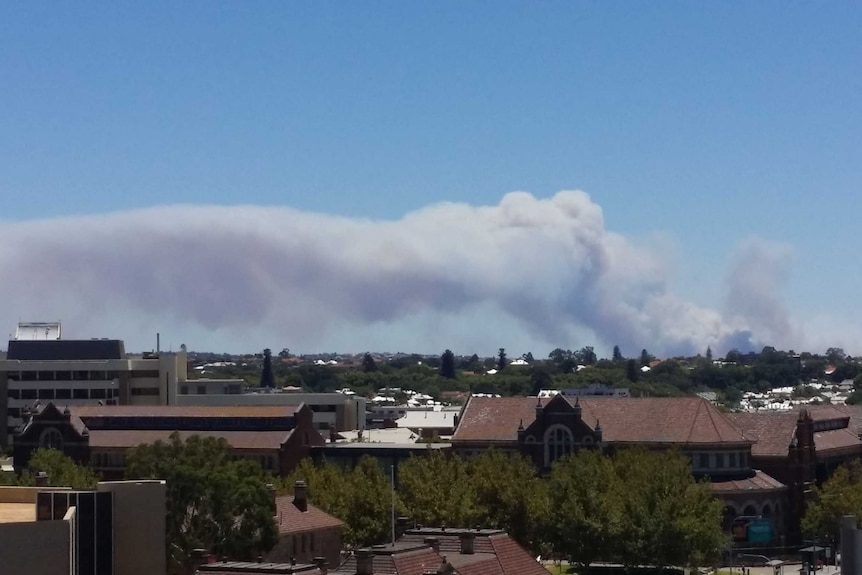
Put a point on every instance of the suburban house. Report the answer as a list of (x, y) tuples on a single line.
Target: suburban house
[(306, 534), (545, 429), (278, 437), (444, 551)]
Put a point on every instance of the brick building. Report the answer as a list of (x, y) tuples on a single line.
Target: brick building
[(277, 437), (546, 429), (305, 533)]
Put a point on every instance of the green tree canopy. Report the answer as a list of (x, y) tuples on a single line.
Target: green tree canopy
[(60, 469), (361, 497), (368, 363), (840, 495), (214, 502), (638, 508), (436, 490), (501, 359), (447, 364), (266, 377)]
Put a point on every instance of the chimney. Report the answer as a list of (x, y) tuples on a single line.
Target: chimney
[(270, 488), (401, 526), (41, 479), (300, 495), (322, 564), (333, 435), (433, 543), (200, 557), (364, 562), (467, 540)]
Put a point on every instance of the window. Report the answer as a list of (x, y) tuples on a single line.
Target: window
[(311, 536), (703, 461), (14, 394), (145, 373), (97, 394), (184, 389), (719, 461), (64, 393), (80, 394), (733, 460), (64, 376), (46, 393), (28, 394), (51, 439), (145, 391), (202, 390), (14, 412), (558, 442)]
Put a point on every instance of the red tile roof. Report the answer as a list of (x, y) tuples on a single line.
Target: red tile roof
[(238, 567), (85, 411), (773, 431), (495, 553), (759, 482), (291, 520), (836, 439), (124, 439), (399, 560), (679, 420)]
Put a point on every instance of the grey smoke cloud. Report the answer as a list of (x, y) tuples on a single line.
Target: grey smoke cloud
[(548, 263), (754, 279)]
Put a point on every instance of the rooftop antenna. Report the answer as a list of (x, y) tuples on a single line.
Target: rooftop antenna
[(158, 342)]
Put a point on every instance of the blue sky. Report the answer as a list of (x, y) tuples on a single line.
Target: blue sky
[(700, 130)]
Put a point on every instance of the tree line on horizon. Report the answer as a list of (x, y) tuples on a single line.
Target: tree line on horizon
[(731, 376)]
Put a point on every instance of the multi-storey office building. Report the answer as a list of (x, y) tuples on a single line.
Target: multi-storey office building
[(82, 372)]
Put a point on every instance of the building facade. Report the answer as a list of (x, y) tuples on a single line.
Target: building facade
[(277, 437), (545, 430)]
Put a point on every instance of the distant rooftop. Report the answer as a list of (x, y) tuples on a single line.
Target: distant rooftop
[(65, 349), (41, 331)]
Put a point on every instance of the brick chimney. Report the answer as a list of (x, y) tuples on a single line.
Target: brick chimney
[(364, 562), (467, 540), (270, 489), (300, 495), (433, 543), (322, 564)]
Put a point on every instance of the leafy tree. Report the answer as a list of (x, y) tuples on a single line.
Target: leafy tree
[(617, 355), (585, 516), (835, 355), (586, 356), (436, 490), (501, 359), (368, 363), (559, 355), (540, 379), (528, 357), (709, 354), (646, 358), (266, 378), (61, 470), (447, 364), (632, 371), (840, 495), (361, 497), (214, 502), (637, 508), (510, 496), (670, 519)]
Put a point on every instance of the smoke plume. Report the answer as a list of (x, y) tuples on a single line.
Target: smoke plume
[(549, 264)]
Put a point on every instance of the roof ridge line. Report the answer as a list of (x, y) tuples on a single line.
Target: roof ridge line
[(694, 421)]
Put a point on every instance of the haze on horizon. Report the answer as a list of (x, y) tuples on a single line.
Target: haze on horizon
[(415, 178)]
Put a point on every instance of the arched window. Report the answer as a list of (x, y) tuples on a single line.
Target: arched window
[(749, 511), (767, 510), (558, 443), (729, 516), (51, 438)]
